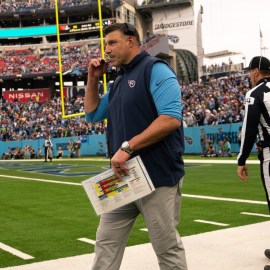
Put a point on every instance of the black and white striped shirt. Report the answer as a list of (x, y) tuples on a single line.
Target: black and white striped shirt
[(256, 120)]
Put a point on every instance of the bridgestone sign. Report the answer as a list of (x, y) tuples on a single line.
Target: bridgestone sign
[(173, 25)]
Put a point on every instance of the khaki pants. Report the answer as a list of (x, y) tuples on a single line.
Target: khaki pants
[(161, 213)]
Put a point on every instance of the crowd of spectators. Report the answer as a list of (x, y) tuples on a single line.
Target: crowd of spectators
[(26, 61), (220, 146), (26, 152), (224, 67), (149, 2), (74, 58), (34, 120), (13, 6), (215, 102)]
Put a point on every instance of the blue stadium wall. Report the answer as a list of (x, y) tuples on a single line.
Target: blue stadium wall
[(192, 137), (93, 145)]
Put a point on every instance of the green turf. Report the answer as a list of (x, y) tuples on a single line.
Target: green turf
[(44, 219), (222, 180)]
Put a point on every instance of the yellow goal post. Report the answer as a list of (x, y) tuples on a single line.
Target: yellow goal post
[(64, 115)]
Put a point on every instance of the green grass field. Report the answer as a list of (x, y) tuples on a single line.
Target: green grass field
[(45, 219)]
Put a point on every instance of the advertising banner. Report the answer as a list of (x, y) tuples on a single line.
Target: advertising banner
[(39, 95), (180, 31)]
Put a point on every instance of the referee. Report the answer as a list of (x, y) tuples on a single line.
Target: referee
[(257, 125)]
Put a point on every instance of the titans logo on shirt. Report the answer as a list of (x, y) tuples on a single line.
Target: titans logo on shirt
[(131, 83)]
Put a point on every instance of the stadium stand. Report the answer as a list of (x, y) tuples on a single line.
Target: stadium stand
[(39, 60), (206, 103), (32, 63), (34, 120), (215, 102)]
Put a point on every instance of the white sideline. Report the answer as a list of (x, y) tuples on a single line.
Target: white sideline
[(40, 180), (240, 248), (212, 161), (223, 199)]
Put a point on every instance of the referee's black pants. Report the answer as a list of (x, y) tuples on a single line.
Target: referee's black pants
[(264, 157)]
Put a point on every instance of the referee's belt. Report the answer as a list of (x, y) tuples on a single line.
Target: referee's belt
[(263, 144)]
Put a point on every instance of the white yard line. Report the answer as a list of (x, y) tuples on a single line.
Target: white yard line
[(211, 222), (255, 214), (222, 199), (211, 161), (15, 252), (87, 240), (40, 180)]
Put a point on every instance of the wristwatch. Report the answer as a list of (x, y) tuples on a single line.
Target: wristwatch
[(126, 148)]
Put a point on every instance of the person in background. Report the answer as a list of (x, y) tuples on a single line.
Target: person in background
[(190, 119), (39, 153), (220, 141), (26, 150), (203, 143), (226, 148), (239, 136), (144, 118), (210, 152), (32, 152), (257, 123), (60, 152), (77, 147), (48, 149), (71, 148)]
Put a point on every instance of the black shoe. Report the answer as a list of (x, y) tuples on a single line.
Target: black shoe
[(267, 267), (267, 254)]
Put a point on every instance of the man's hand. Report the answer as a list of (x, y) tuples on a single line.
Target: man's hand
[(119, 163), (97, 67), (242, 172)]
